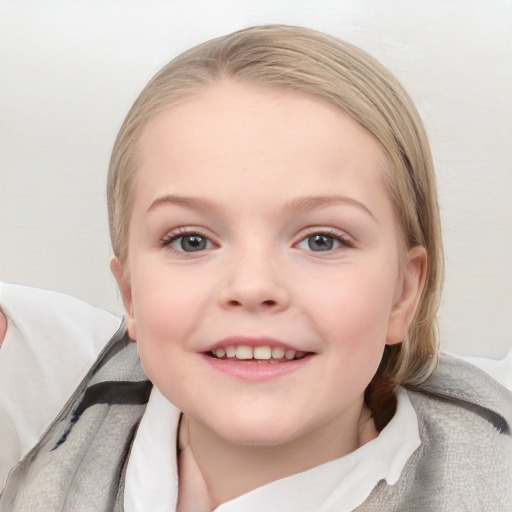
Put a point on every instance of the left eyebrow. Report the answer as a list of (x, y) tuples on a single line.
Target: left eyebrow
[(304, 204)]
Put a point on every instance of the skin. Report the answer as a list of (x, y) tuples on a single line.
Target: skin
[(3, 327), (258, 168)]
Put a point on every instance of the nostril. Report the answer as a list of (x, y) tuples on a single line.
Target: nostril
[(269, 302)]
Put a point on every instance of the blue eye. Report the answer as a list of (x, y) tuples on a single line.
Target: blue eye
[(324, 242), (192, 242), (320, 242)]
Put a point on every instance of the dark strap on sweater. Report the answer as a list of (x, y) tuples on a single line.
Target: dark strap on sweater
[(111, 393)]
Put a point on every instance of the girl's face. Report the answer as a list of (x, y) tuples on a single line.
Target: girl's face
[(261, 228)]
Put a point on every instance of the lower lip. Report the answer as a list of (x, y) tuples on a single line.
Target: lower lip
[(256, 371)]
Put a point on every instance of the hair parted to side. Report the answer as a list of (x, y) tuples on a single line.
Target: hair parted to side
[(314, 63)]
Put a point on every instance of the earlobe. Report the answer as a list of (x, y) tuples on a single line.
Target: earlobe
[(409, 295), (126, 293)]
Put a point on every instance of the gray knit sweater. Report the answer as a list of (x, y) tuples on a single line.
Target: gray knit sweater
[(464, 462)]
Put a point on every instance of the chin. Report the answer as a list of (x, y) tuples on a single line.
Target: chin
[(266, 431)]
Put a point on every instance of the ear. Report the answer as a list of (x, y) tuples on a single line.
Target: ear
[(124, 284), (408, 295)]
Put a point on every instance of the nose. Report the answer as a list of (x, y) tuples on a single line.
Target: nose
[(254, 282)]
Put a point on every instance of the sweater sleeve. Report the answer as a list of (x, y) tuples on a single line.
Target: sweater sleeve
[(51, 341)]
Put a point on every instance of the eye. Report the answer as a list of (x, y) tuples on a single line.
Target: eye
[(187, 242), (323, 242)]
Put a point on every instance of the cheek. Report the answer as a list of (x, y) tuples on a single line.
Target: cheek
[(164, 317), (354, 306), (168, 304), (353, 317), (164, 305)]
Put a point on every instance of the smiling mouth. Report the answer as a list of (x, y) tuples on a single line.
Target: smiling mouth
[(262, 354)]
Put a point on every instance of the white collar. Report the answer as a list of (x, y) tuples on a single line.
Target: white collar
[(341, 484)]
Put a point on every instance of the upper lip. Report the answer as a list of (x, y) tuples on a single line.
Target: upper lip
[(251, 341)]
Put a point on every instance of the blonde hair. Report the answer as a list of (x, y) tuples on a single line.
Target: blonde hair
[(310, 62)]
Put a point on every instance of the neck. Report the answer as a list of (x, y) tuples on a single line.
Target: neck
[(214, 470)]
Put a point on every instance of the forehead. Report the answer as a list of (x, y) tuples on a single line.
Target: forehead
[(240, 135)]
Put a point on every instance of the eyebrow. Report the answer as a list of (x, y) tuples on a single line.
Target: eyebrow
[(297, 205), (186, 201), (304, 204)]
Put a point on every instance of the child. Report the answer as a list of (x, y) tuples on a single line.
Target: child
[(277, 244)]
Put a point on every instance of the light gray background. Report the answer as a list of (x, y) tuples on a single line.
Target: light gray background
[(70, 70)]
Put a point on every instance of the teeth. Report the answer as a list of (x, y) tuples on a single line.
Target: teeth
[(261, 354), (243, 352), (289, 354), (264, 352), (277, 352)]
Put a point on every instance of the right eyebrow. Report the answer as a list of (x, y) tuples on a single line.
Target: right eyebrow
[(185, 201)]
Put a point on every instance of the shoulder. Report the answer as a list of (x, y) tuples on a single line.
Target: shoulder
[(465, 423), (51, 342), (464, 461), (458, 388)]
